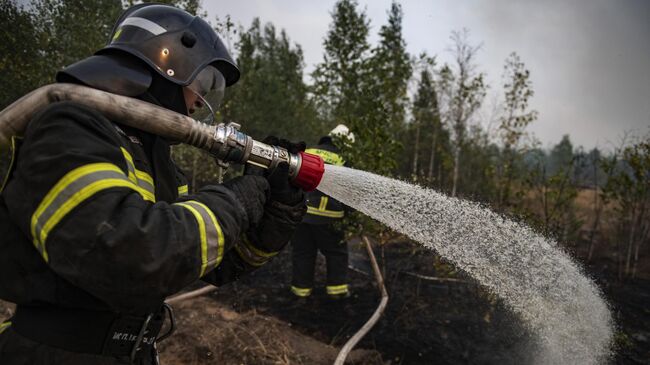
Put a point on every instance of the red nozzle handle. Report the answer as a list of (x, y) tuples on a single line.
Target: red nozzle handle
[(311, 172)]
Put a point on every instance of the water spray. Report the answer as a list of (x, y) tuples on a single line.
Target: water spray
[(558, 304), (223, 141)]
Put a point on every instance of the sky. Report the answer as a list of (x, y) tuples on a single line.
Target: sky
[(589, 59)]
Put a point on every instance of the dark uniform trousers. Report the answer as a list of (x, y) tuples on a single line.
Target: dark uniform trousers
[(308, 240)]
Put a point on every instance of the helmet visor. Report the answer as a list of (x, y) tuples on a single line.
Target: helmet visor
[(209, 86)]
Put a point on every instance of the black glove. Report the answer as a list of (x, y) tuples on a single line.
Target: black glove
[(252, 192), (281, 189)]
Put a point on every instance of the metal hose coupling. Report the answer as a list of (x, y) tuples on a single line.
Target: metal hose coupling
[(231, 145), (224, 141)]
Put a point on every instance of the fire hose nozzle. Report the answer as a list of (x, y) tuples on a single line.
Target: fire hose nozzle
[(230, 145)]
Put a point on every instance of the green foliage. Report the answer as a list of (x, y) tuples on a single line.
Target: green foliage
[(40, 39), (19, 48), (46, 36), (349, 87), (390, 69), (271, 97), (340, 80)]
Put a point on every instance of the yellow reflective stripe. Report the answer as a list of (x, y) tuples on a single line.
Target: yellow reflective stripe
[(301, 292), (327, 156), (204, 243), (257, 251), (215, 229), (211, 234), (64, 182), (74, 188), (4, 326), (221, 241), (129, 165), (251, 254), (142, 179), (337, 289), (141, 175), (325, 213), (183, 190)]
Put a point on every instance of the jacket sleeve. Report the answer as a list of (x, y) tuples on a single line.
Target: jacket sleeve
[(72, 195), (260, 243)]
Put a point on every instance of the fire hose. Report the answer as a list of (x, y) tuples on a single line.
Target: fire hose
[(223, 141)]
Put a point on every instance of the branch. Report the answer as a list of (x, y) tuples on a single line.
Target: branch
[(190, 295)]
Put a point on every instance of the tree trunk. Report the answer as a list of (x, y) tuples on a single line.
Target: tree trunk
[(597, 209), (630, 244), (416, 152), (432, 157), (456, 167)]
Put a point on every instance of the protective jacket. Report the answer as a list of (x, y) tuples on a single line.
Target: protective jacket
[(322, 209), (96, 225)]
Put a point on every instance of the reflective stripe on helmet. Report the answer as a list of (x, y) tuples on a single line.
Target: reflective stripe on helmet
[(74, 188), (145, 24), (210, 233)]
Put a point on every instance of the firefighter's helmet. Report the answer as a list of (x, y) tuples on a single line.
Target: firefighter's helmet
[(179, 47)]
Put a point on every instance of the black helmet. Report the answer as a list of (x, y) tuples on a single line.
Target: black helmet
[(176, 45), (173, 42)]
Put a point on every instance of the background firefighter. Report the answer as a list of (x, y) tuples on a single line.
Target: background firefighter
[(321, 230), (96, 221)]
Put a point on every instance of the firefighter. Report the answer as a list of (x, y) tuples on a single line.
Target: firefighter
[(321, 230), (97, 227)]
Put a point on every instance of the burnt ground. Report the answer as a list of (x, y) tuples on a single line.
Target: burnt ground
[(257, 321), (427, 321)]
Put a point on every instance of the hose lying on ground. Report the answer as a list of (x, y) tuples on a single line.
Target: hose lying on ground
[(343, 354)]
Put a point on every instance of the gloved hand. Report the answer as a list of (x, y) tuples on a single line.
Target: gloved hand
[(282, 191), (252, 192)]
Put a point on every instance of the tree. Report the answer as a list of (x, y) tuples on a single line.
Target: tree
[(21, 58), (271, 96), (628, 186), (346, 92), (339, 79), (553, 193), (462, 90), (390, 68), (426, 122), (513, 122)]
